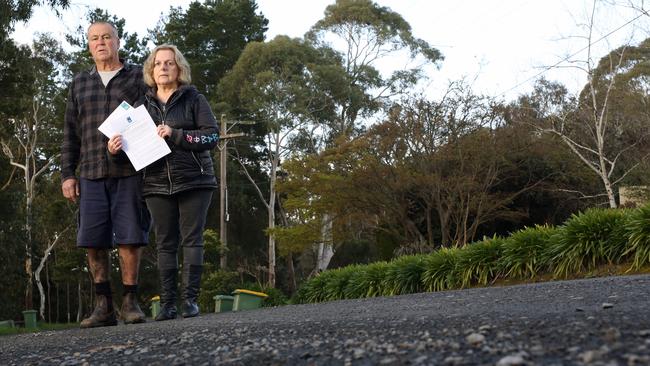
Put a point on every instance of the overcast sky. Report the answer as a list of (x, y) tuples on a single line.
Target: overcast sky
[(500, 45)]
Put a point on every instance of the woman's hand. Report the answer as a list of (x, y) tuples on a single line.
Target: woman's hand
[(115, 144), (164, 131)]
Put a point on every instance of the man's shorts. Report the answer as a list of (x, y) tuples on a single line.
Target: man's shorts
[(112, 212)]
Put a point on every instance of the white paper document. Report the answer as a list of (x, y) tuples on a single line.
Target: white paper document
[(115, 124), (140, 141)]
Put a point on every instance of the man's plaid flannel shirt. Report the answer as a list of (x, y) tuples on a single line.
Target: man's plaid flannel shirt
[(89, 104)]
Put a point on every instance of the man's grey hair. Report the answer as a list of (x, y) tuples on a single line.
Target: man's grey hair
[(104, 22)]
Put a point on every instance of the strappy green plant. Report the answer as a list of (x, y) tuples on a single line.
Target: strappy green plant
[(439, 270), (314, 289), (368, 281), (523, 252), (478, 263), (337, 280), (403, 275), (638, 233), (588, 239)]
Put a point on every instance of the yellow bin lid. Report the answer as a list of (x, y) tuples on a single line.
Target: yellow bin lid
[(249, 292)]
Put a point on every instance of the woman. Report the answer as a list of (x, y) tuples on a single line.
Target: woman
[(178, 188)]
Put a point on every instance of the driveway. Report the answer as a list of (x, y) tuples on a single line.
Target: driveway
[(599, 321)]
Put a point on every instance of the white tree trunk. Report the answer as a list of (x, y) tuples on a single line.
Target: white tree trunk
[(593, 151), (37, 273), (80, 302), (29, 198), (275, 161), (326, 245), (26, 134), (271, 215)]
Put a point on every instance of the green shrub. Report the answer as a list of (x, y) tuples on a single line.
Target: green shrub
[(276, 297), (638, 233), (584, 241), (593, 237), (337, 280), (478, 263), (304, 293), (314, 289), (523, 253), (439, 270), (403, 275), (216, 283), (368, 281)]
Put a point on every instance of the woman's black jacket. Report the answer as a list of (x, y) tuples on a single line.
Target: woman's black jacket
[(194, 134)]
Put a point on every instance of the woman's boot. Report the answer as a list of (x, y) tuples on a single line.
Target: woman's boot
[(192, 282), (169, 294)]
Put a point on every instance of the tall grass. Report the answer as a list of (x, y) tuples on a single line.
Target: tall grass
[(368, 281), (337, 280), (439, 271), (403, 275), (314, 289), (586, 240), (638, 232), (593, 237), (523, 252), (478, 263)]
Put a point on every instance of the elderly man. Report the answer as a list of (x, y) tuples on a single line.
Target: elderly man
[(111, 207)]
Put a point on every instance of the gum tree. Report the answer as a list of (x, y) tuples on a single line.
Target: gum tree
[(279, 85), (605, 125), (365, 34), (25, 144)]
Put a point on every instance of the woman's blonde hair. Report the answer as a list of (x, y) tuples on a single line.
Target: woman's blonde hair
[(184, 76)]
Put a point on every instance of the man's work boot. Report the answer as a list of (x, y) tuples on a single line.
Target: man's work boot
[(130, 311), (101, 316)]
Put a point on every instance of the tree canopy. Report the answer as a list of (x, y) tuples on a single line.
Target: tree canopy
[(368, 33), (211, 36)]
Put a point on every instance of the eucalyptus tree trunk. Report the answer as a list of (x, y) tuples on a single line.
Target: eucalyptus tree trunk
[(291, 272), (37, 273), (274, 139), (79, 302), (325, 246), (275, 161), (67, 300), (26, 134)]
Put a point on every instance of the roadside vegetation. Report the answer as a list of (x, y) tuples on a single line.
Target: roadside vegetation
[(596, 242)]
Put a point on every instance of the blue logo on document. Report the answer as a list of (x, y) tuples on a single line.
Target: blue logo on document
[(129, 120)]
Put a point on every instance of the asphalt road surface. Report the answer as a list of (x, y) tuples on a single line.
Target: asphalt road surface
[(600, 321)]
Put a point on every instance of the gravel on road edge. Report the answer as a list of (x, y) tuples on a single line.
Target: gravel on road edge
[(599, 321)]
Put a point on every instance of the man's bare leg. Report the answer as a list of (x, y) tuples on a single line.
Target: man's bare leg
[(130, 267), (130, 263), (103, 314), (99, 262)]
